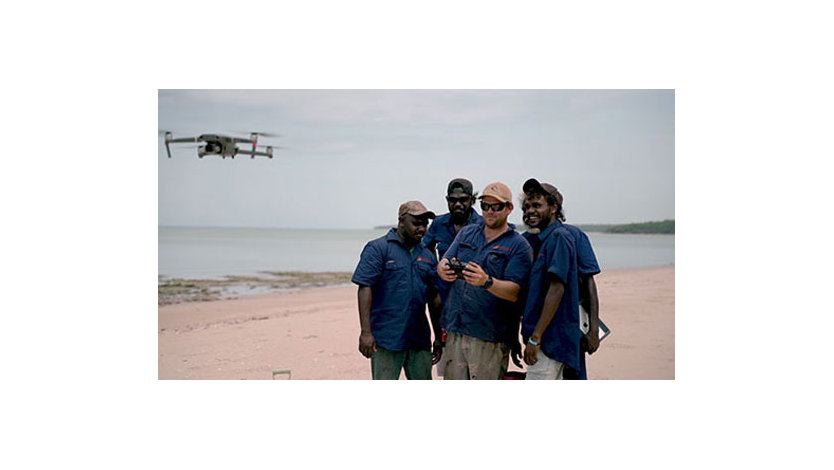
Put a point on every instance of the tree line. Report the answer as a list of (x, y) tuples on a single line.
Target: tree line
[(663, 226)]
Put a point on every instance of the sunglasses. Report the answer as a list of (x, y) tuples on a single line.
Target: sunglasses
[(460, 200), (498, 206)]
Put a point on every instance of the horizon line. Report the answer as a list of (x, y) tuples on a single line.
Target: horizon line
[(364, 228)]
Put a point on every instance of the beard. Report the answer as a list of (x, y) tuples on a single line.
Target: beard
[(459, 217), (531, 229)]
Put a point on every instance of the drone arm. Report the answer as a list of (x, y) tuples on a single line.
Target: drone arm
[(182, 140), (267, 153)]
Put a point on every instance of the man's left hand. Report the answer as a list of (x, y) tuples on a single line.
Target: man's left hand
[(474, 274)]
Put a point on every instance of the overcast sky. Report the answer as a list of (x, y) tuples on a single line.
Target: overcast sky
[(352, 156)]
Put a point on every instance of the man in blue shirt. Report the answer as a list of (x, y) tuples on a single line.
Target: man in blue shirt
[(396, 276), (479, 310), (550, 324), (544, 202), (460, 199)]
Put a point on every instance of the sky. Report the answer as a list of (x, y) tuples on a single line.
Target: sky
[(350, 157)]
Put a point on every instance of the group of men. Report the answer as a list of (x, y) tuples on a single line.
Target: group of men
[(483, 282)]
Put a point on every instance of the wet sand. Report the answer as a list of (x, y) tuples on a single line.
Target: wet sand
[(314, 333)]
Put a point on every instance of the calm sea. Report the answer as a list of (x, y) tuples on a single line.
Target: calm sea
[(209, 252)]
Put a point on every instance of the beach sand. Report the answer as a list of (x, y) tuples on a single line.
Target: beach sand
[(314, 333)]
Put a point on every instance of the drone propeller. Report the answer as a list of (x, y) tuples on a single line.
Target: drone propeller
[(253, 136), (262, 134)]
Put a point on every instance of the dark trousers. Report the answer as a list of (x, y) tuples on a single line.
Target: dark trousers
[(386, 365)]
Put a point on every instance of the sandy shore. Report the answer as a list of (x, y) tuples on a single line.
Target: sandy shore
[(314, 333)]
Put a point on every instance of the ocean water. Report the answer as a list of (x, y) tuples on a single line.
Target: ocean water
[(211, 252)]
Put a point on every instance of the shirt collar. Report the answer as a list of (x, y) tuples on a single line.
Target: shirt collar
[(550, 227), (482, 225), (393, 237)]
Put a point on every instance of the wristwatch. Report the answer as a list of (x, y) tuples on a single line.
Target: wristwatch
[(488, 283)]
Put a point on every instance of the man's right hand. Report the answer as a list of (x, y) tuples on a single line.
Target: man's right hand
[(531, 354), (367, 344), (445, 272)]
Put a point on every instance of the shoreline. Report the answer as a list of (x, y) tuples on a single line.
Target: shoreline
[(313, 332), (175, 290)]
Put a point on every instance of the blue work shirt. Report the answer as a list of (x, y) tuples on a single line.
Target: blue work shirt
[(441, 232), (472, 310), (586, 259), (556, 257), (399, 281)]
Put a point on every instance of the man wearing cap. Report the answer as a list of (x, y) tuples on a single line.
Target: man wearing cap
[(550, 324), (479, 311), (396, 276), (543, 205), (460, 199)]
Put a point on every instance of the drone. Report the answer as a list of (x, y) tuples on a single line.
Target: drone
[(222, 145)]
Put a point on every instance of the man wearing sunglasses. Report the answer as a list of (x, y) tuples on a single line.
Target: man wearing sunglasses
[(479, 312), (542, 204), (460, 200), (396, 276)]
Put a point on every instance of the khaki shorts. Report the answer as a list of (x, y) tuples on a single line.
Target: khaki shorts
[(545, 368), (470, 358)]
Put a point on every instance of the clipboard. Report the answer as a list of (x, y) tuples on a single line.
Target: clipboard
[(604, 331), (584, 324)]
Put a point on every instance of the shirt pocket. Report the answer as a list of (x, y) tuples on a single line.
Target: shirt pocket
[(495, 263), (394, 273), (466, 252)]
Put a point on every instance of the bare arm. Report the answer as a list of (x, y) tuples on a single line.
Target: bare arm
[(367, 343), (591, 305), (551, 303)]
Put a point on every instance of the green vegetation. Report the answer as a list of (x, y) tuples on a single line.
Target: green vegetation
[(663, 226)]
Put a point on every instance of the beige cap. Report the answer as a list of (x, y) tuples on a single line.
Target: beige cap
[(497, 190), (415, 208)]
